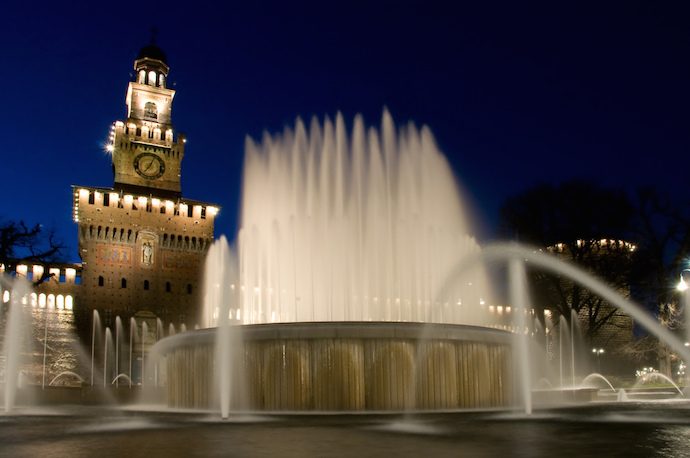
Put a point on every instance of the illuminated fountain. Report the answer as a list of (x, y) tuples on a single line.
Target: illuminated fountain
[(354, 285), (345, 242)]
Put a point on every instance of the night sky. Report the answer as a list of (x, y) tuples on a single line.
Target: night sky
[(516, 93)]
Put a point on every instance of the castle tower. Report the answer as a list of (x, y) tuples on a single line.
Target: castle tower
[(142, 244), (146, 155)]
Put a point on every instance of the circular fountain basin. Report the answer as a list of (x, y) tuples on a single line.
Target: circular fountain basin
[(345, 366)]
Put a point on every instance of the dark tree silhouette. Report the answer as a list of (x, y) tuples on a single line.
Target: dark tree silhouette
[(22, 243), (584, 223)]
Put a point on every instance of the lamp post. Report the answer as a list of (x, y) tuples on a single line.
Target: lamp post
[(682, 286), (598, 352)]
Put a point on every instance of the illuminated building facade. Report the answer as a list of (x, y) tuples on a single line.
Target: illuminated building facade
[(142, 244)]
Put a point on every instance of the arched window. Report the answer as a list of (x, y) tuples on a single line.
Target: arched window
[(142, 76), (34, 299), (161, 80), (60, 301), (51, 301), (146, 285), (189, 288), (168, 287), (152, 78), (69, 304), (101, 280), (41, 300), (150, 111), (123, 283)]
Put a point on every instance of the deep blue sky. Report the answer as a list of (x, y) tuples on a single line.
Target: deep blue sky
[(516, 93)]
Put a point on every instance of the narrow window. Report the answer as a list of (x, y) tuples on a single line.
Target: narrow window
[(101, 280), (106, 199), (91, 198), (123, 283), (168, 287), (189, 288), (146, 285)]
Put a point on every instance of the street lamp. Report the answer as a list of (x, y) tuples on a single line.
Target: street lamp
[(682, 284), (598, 352)]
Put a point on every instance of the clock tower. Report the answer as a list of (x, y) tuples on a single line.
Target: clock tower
[(146, 152), (141, 242)]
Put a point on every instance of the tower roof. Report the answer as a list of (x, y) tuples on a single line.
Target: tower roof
[(152, 51)]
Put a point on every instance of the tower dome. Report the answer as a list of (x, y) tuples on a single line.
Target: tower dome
[(151, 66), (151, 51)]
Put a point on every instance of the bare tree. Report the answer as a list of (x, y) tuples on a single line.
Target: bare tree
[(22, 243), (586, 224)]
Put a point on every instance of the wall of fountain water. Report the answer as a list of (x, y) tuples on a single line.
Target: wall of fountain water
[(351, 227), (14, 341)]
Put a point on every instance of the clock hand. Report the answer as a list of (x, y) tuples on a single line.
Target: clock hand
[(150, 164)]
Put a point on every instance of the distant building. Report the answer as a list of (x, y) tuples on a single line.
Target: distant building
[(618, 329)]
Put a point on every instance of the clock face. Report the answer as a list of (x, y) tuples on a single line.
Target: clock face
[(149, 166)]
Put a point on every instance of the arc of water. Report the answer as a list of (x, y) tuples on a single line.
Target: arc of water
[(664, 377), (119, 376), (509, 251), (65, 373), (600, 377)]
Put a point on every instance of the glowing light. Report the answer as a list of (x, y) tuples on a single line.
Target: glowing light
[(69, 302), (6, 296), (34, 299), (38, 272), (113, 198), (42, 300), (51, 301), (22, 269), (70, 273), (213, 211), (142, 201), (60, 302), (119, 124), (83, 193), (183, 209), (155, 202), (109, 148), (128, 199), (169, 205)]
